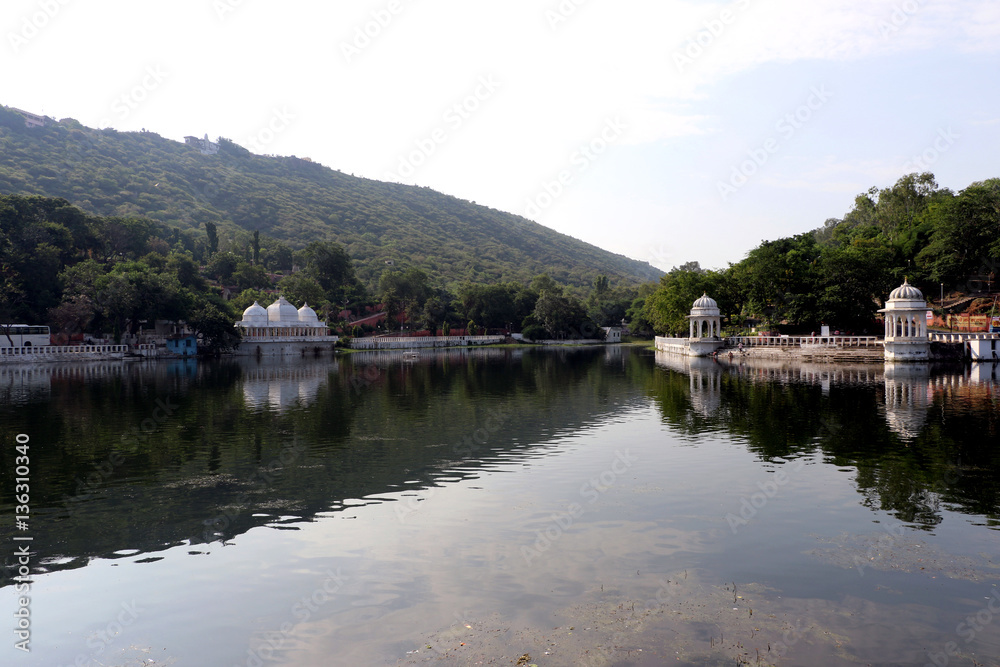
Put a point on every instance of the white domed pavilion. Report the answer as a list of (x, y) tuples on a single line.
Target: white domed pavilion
[(706, 321), (906, 325), (282, 329), (704, 331)]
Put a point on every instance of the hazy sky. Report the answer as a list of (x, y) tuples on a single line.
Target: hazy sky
[(666, 131)]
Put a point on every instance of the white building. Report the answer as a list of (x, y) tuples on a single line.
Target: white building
[(906, 325), (612, 334), (282, 330), (704, 331), (204, 145)]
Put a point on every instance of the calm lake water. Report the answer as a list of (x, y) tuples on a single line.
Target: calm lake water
[(500, 506)]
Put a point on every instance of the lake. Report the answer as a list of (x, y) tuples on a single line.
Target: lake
[(575, 506)]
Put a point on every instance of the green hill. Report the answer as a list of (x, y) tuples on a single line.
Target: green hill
[(295, 200)]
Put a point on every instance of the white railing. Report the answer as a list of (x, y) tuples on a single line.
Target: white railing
[(806, 341), (48, 350), (390, 343), (289, 339), (955, 337)]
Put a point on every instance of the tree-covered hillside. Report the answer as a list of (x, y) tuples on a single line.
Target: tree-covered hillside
[(294, 200)]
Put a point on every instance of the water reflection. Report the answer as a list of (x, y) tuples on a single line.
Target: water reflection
[(920, 437), (280, 384), (144, 457), (908, 398)]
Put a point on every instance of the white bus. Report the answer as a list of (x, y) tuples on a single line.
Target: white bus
[(23, 335)]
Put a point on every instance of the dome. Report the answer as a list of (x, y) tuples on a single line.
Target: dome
[(906, 291), (281, 312), (307, 315), (255, 314), (705, 301)]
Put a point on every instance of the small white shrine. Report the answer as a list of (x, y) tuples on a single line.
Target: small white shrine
[(281, 329), (704, 331), (906, 325)]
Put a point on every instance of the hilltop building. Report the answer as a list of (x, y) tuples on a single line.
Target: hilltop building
[(204, 145), (281, 329), (32, 119)]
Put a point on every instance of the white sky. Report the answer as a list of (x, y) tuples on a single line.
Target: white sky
[(671, 97)]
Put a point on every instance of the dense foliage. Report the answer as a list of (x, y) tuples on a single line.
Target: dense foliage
[(841, 273), (229, 196), (82, 273)]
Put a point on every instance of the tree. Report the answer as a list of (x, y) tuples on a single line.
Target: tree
[(404, 292), (275, 255), (434, 313), (778, 281), (564, 317), (667, 308), (222, 265), (248, 276), (182, 265), (330, 265), (247, 297), (300, 289), (132, 293), (255, 244), (214, 325), (213, 237), (606, 306), (544, 283), (73, 315), (492, 306), (966, 236)]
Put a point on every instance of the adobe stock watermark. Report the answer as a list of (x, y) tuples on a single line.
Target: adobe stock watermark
[(786, 126), (562, 12), (579, 161), (967, 630), (899, 17), (590, 491), (135, 96), (34, 23), (944, 140), (703, 39), (280, 120), (752, 504), (365, 34), (453, 118)]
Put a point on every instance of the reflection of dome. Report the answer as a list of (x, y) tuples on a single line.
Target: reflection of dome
[(255, 314), (705, 301), (282, 312), (706, 388), (906, 291), (907, 399), (307, 316), (283, 385)]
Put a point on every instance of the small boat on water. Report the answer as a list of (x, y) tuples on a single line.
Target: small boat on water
[(411, 356)]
